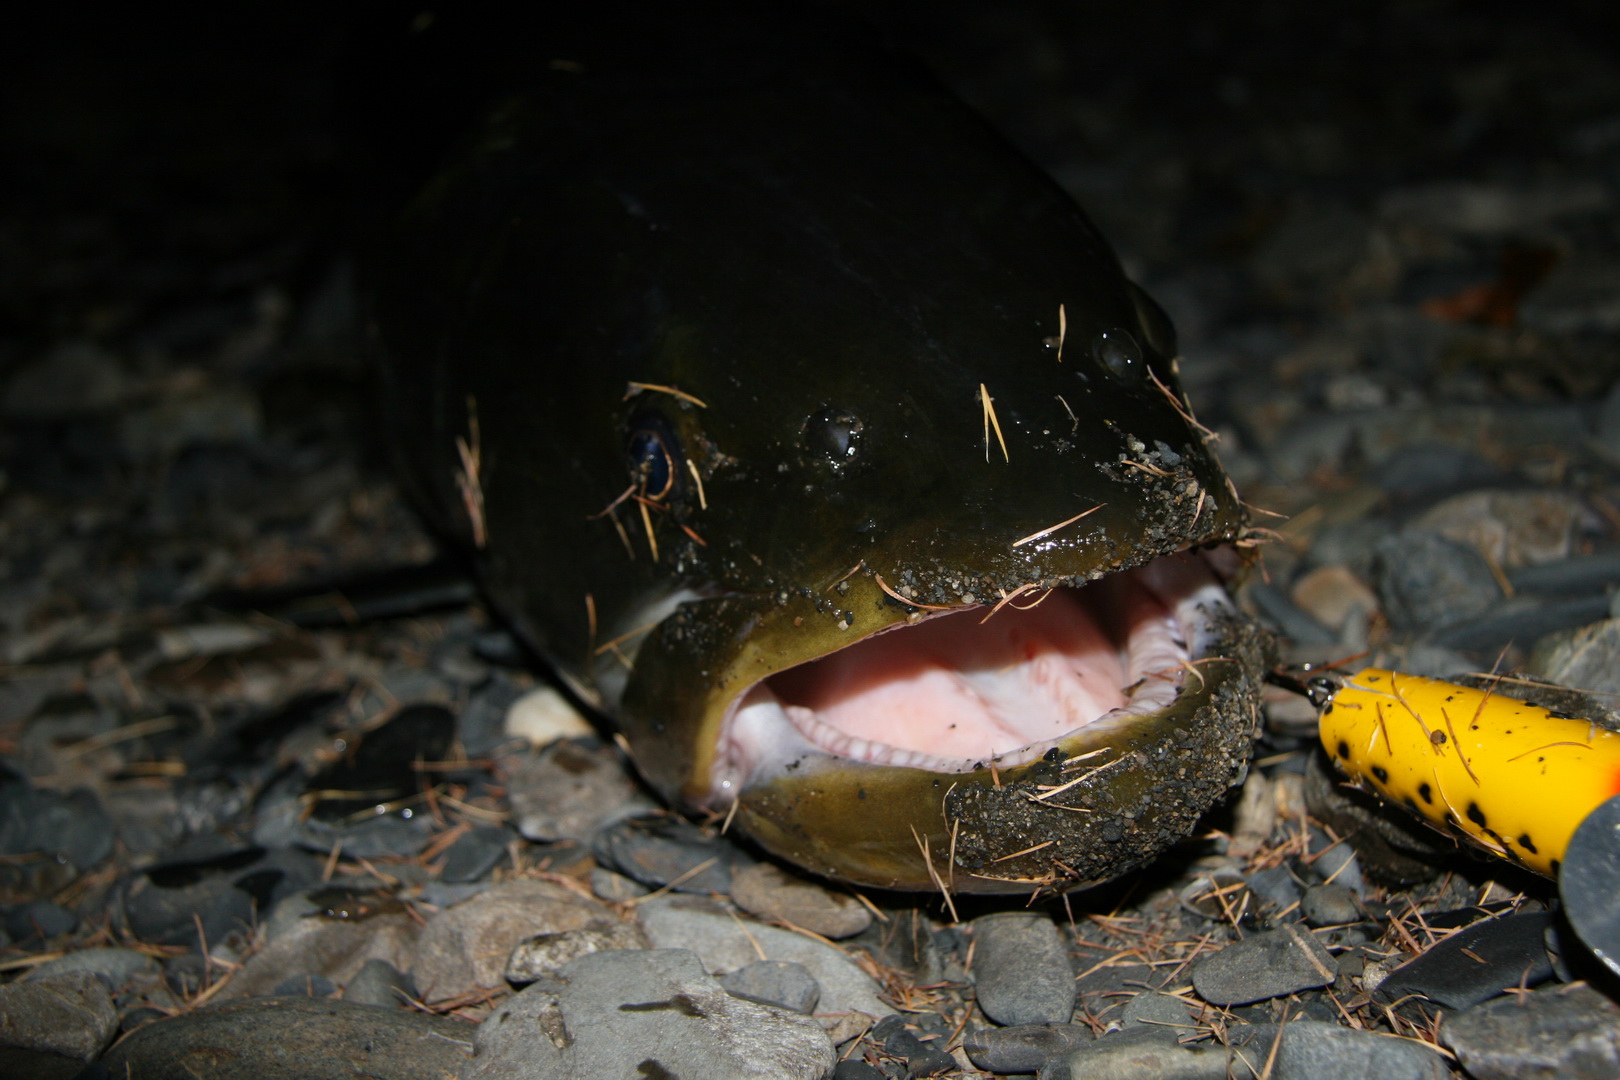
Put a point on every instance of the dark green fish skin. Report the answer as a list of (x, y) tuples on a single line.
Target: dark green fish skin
[(681, 278)]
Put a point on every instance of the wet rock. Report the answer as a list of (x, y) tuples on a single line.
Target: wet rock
[(297, 1038), (1588, 657), (781, 983), (115, 967), (380, 983), (568, 791), (478, 851), (1335, 597), (1555, 1033), (544, 953), (1165, 1013), (1509, 529), (1477, 963), (921, 1058), (466, 947), (1137, 1054), (1021, 969), (308, 985), (664, 850), (316, 935), (674, 922), (219, 891), (1262, 966), (39, 920), (1312, 1049), (1330, 904), (615, 887), (1427, 581), (1022, 1048), (72, 828), (1276, 886), (71, 1015), (644, 1013), (771, 893)]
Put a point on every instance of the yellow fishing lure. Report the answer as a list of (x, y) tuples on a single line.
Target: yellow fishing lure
[(1513, 777)]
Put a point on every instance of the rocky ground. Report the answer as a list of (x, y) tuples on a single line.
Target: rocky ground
[(325, 843)]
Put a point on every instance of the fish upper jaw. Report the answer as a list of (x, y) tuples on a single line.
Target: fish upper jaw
[(971, 686)]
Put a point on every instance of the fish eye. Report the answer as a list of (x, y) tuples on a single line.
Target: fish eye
[(835, 434), (655, 456), (1119, 354)]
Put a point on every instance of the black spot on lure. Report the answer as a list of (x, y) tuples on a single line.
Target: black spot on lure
[(818, 439), (1512, 777)]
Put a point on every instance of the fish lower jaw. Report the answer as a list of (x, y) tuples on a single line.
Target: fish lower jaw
[(976, 687)]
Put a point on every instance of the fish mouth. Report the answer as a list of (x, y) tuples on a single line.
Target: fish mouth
[(976, 686)]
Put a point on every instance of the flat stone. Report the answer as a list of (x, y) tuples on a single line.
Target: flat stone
[(662, 850), (380, 983), (567, 791), (921, 1058), (781, 983), (466, 947), (1165, 1013), (71, 1015), (1554, 1033), (1023, 1048), (115, 967), (1268, 965), (475, 854), (334, 949), (725, 944), (296, 1038), (646, 1012), (1137, 1054), (1477, 963), (544, 953), (1330, 904), (768, 891), (1314, 1049), (1021, 969)]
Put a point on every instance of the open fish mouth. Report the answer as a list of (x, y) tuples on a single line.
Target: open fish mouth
[(980, 686)]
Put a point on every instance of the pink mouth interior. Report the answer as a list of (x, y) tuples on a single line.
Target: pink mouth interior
[(960, 689), (964, 686)]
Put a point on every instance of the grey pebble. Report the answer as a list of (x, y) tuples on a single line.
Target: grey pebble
[(1331, 904), (315, 986), (71, 1015), (567, 791), (475, 854), (782, 983), (648, 1012), (1137, 1054), (1316, 1050), (855, 1069), (921, 1058), (39, 920), (1022, 1048), (295, 1038), (1428, 582), (1262, 966), (544, 953), (725, 943), (300, 941), (1556, 1033), (768, 891), (1276, 886), (663, 850), (615, 887), (379, 983), (115, 967), (1021, 969), (466, 947), (1164, 1013), (1478, 962)]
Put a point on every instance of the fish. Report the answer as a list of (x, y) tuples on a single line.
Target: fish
[(1509, 776), (818, 440)]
